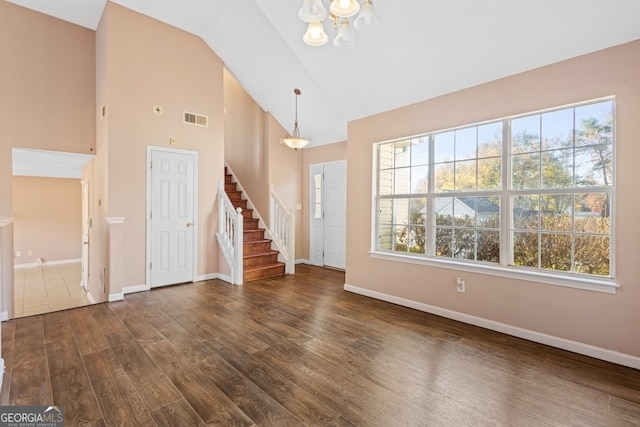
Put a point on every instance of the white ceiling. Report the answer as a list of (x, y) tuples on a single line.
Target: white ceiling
[(422, 48)]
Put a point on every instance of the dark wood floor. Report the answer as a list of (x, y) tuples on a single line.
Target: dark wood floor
[(298, 351)]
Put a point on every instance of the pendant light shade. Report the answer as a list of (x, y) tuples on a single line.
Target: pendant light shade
[(315, 35), (346, 36), (312, 11), (344, 8), (294, 140), (367, 20)]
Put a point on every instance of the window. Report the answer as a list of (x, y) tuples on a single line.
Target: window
[(317, 196), (528, 193)]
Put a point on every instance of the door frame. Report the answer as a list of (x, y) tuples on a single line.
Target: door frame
[(194, 155), (86, 232), (315, 168)]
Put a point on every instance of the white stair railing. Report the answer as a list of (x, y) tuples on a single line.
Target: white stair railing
[(283, 231), (230, 234)]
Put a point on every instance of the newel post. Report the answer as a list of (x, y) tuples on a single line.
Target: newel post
[(291, 260)]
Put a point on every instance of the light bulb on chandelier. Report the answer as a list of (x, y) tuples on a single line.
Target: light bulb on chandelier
[(313, 12)]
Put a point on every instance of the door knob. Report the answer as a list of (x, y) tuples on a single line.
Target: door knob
[(189, 224)]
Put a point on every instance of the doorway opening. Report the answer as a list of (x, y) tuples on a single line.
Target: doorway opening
[(48, 253)]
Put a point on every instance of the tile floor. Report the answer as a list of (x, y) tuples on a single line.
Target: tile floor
[(48, 288)]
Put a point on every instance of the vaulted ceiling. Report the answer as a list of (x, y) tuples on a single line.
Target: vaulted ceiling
[(422, 48)]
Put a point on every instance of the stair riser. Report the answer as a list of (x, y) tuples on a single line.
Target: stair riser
[(250, 224), (256, 247), (252, 235), (256, 261), (234, 195), (247, 213), (230, 186), (277, 270)]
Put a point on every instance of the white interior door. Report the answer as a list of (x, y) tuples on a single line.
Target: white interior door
[(328, 214), (171, 217), (86, 224), (335, 214)]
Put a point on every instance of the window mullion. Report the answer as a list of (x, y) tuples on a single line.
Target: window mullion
[(430, 214), (506, 238)]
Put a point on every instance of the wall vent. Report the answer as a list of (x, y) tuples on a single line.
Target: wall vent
[(196, 119)]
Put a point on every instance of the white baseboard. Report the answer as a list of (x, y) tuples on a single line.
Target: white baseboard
[(134, 289), (564, 344), (116, 297), (225, 278), (210, 276), (4, 315), (302, 261), (36, 264)]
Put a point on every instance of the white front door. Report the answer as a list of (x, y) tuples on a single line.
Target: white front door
[(85, 234), (171, 217), (328, 191)]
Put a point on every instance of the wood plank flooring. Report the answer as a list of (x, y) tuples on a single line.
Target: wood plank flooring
[(293, 351)]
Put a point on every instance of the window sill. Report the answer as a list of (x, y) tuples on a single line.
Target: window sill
[(584, 283)]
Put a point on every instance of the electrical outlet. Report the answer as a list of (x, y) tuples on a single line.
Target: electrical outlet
[(460, 284), (18, 253), (30, 252)]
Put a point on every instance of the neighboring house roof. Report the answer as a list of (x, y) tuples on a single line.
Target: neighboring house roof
[(465, 206)]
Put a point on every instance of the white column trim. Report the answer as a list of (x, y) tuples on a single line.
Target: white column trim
[(6, 220), (115, 220)]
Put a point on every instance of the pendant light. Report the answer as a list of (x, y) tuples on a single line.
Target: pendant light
[(294, 140)]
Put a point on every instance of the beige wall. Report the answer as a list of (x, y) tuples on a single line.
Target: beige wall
[(245, 150), (610, 322), (142, 63), (322, 154), (47, 219), (47, 87)]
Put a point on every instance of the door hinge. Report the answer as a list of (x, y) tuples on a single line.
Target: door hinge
[(150, 215), (150, 265), (150, 165)]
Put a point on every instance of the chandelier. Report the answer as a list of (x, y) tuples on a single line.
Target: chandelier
[(294, 140), (313, 12)]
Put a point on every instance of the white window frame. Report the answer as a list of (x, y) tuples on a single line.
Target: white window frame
[(538, 275)]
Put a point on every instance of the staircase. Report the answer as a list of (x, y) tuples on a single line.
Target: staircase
[(259, 260)]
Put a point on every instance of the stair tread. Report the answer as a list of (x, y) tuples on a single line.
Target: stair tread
[(254, 230), (258, 254)]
